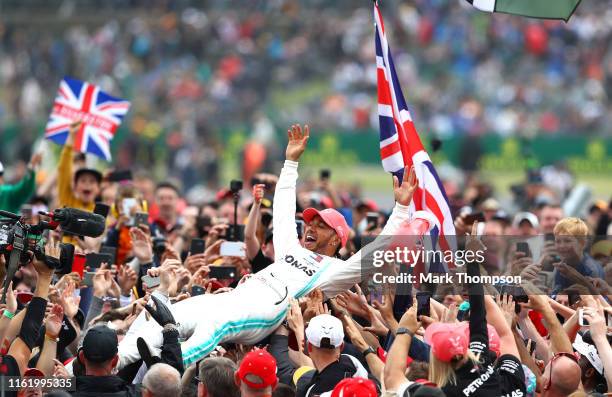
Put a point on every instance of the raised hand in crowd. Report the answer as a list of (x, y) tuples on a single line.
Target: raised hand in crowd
[(126, 278), (354, 302), (141, 245), (68, 301), (403, 193), (297, 141)]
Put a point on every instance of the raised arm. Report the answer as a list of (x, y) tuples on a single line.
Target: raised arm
[(361, 265), (20, 192), (250, 231), (283, 210), (64, 168)]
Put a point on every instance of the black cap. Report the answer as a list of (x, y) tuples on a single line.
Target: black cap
[(92, 171), (100, 344)]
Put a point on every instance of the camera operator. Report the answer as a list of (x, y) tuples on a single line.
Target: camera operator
[(16, 360)]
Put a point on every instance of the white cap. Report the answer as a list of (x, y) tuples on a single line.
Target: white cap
[(325, 331), (590, 352), (525, 216)]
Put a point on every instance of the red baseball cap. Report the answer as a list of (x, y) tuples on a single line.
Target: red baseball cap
[(258, 369), (447, 340), (332, 218), (34, 372), (355, 387)]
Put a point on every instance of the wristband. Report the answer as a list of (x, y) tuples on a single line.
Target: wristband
[(52, 338), (367, 351), (404, 330), (8, 314)]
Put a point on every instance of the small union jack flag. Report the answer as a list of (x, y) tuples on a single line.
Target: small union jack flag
[(100, 113), (400, 145)]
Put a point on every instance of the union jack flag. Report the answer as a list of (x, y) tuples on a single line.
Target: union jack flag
[(100, 113), (400, 145)]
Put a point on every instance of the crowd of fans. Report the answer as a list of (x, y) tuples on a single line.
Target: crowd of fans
[(551, 338), (195, 69)]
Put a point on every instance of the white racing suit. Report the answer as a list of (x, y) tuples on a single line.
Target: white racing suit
[(258, 306)]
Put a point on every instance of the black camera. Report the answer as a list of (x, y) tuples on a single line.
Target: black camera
[(235, 186), (20, 240), (159, 246)]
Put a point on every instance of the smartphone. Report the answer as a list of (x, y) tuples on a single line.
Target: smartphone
[(266, 219), (232, 248), (523, 247), (26, 211), (532, 348), (197, 290), (141, 218), (423, 305), (88, 279), (108, 250), (120, 175), (300, 227), (507, 289), (150, 281), (531, 344), (475, 217), (372, 220), (101, 209), (78, 264), (24, 297), (94, 260), (573, 298), (324, 174), (197, 246), (222, 272), (583, 322), (127, 204), (203, 222)]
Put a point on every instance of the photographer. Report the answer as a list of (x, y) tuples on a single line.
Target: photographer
[(16, 360)]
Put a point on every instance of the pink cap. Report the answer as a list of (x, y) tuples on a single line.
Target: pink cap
[(494, 341), (446, 340), (332, 218)]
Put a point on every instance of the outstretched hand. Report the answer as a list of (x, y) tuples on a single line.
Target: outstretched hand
[(297, 141), (403, 193)]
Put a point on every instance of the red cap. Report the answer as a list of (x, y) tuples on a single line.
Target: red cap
[(447, 340), (258, 369), (34, 372), (355, 387), (332, 218)]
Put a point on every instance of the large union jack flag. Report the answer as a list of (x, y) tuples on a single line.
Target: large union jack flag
[(400, 145), (100, 113)]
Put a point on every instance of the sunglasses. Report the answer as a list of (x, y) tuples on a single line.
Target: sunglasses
[(575, 357)]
